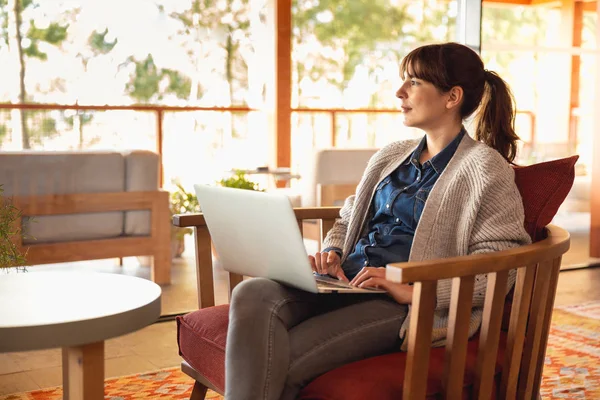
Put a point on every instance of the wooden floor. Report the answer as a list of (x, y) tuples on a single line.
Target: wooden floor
[(155, 347)]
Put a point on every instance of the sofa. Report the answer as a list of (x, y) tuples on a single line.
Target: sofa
[(83, 205)]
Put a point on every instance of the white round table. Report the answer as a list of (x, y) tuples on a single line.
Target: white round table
[(76, 311)]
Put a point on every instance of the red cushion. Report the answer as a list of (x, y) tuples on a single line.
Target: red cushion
[(201, 338), (544, 187), (381, 377)]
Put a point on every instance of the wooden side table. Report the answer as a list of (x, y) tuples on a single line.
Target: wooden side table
[(77, 311)]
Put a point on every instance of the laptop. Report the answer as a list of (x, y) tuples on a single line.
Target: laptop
[(256, 234)]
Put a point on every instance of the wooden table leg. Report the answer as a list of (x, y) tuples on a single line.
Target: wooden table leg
[(83, 372)]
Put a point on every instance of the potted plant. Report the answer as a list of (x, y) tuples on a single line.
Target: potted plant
[(181, 202), (10, 254), (239, 181)]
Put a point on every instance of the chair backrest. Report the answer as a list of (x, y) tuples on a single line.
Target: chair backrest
[(332, 175)]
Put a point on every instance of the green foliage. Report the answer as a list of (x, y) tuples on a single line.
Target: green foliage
[(523, 25), (40, 126), (145, 84), (179, 84), (10, 256), (223, 18), (357, 27), (3, 132), (54, 34), (97, 41), (182, 202), (85, 117), (239, 181)]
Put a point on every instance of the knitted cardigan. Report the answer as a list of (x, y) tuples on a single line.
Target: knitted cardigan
[(473, 208)]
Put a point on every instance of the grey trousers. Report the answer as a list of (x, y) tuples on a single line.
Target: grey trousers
[(280, 338)]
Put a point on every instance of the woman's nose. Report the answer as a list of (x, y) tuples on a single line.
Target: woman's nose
[(401, 93)]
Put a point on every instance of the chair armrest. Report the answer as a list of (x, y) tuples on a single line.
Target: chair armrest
[(302, 213), (556, 244)]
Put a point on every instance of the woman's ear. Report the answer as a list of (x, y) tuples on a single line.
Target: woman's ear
[(455, 97)]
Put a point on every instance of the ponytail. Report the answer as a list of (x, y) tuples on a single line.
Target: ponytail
[(495, 123)]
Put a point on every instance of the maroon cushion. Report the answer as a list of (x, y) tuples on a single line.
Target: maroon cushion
[(381, 377), (544, 187), (201, 338)]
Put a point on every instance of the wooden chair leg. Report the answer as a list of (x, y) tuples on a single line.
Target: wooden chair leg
[(198, 392)]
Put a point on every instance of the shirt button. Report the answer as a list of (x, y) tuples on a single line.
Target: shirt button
[(418, 179), (366, 263), (397, 219), (387, 206)]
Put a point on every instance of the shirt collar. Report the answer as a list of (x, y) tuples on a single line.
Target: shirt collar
[(439, 162)]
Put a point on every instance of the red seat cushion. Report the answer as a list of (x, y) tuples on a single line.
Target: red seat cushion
[(201, 337), (381, 377)]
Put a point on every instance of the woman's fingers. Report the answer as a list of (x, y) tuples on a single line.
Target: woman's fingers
[(339, 273), (374, 282), (332, 257), (324, 263), (327, 263), (366, 273), (361, 276), (317, 263), (313, 263)]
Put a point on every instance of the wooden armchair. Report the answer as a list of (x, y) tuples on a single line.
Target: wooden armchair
[(519, 352)]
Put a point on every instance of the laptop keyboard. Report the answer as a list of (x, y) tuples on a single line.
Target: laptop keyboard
[(332, 282)]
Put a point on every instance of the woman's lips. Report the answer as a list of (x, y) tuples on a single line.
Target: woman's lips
[(405, 109)]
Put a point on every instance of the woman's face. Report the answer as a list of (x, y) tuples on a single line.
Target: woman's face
[(423, 105)]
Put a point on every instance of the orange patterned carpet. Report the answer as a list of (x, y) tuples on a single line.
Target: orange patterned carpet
[(572, 365), (572, 369)]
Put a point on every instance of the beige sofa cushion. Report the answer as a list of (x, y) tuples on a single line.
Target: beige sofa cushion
[(333, 167), (29, 173), (141, 174)]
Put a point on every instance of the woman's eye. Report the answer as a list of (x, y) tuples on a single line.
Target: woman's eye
[(413, 82)]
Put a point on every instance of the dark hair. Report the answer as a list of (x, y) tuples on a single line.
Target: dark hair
[(451, 64)]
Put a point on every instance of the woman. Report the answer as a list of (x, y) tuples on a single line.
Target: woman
[(442, 196)]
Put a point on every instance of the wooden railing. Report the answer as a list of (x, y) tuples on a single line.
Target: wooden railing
[(159, 111)]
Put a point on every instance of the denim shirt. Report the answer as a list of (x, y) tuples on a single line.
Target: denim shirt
[(398, 203)]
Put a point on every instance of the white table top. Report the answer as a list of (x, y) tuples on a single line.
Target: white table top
[(41, 310)]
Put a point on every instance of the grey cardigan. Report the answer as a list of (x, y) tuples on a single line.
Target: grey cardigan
[(473, 208)]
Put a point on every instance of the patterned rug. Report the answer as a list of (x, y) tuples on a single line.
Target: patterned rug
[(571, 371), (572, 364)]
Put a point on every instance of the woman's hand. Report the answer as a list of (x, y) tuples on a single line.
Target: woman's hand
[(374, 277), (328, 263)]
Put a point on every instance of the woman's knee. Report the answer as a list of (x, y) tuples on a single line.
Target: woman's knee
[(255, 291)]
